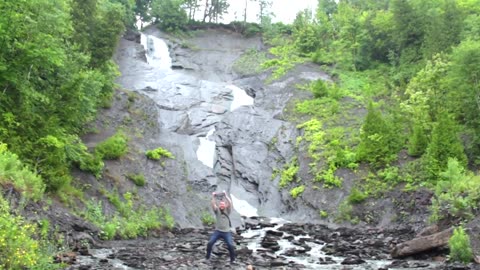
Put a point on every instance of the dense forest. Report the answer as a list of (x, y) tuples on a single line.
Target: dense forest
[(413, 64)]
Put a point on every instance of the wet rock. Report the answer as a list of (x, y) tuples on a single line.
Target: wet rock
[(352, 260)]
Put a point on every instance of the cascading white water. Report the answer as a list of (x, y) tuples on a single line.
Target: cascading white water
[(240, 98), (158, 56), (206, 150), (156, 51)]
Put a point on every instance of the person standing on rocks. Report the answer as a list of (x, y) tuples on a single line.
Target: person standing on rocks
[(222, 225)]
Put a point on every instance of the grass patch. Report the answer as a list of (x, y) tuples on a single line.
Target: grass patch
[(138, 179), (129, 221), (250, 63)]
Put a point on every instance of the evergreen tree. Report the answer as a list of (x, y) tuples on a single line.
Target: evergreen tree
[(376, 139), (444, 144)]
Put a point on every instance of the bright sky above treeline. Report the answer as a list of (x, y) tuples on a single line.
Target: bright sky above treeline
[(283, 10)]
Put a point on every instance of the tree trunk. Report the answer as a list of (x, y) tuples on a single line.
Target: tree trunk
[(206, 11), (245, 13), (421, 244)]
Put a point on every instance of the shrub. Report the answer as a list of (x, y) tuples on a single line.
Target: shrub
[(113, 147), (207, 219), (319, 88), (18, 247), (295, 192), (158, 153), (289, 173), (249, 62), (457, 194), (138, 179), (459, 245), (356, 196), (14, 172), (78, 153), (129, 221), (323, 214), (93, 164)]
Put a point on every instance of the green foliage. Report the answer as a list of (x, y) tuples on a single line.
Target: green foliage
[(109, 25), (55, 81), (323, 107), (207, 219), (19, 246), (138, 179), (418, 141), (92, 163), (297, 191), (319, 88), (274, 34), (345, 213), (305, 33), (315, 135), (113, 147), (356, 196), (463, 77), (250, 62), (289, 173), (158, 153), (377, 143), (130, 221), (169, 14), (457, 193), (323, 214), (14, 172), (285, 59), (444, 144), (329, 178), (459, 245), (78, 153)]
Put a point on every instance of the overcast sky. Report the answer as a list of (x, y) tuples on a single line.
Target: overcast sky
[(284, 10)]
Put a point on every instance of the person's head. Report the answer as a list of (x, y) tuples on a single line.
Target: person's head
[(222, 205), (250, 267)]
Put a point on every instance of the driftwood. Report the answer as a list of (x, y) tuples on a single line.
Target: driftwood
[(422, 244)]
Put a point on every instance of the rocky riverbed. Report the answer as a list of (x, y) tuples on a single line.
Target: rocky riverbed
[(262, 244)]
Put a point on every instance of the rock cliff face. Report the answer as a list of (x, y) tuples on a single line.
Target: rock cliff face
[(250, 141), (180, 109)]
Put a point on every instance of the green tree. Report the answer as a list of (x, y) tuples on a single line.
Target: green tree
[(142, 9), (464, 79), (169, 14), (459, 244), (83, 14), (128, 11), (443, 27), (50, 89), (305, 32), (192, 6), (444, 144), (349, 22), (378, 144), (108, 28)]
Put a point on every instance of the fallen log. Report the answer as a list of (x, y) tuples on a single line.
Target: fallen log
[(422, 244)]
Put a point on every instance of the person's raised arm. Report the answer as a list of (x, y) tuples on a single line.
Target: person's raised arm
[(229, 201), (214, 203)]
